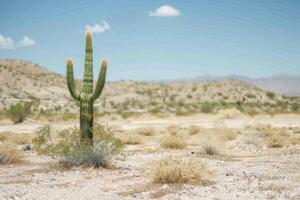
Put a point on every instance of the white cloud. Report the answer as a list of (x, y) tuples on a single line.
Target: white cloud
[(98, 28), (6, 42), (165, 11), (26, 42)]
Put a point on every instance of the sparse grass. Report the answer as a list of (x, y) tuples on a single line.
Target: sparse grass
[(21, 138), (69, 116), (172, 142), (131, 139), (228, 134), (193, 130), (180, 171), (146, 131), (10, 154), (273, 187)]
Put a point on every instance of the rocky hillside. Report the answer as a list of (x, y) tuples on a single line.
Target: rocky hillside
[(25, 81)]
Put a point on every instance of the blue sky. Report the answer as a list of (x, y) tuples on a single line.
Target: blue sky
[(153, 40)]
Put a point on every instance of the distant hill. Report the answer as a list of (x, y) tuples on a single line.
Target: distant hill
[(24, 81), (280, 84)]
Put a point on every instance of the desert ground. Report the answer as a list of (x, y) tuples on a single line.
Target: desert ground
[(242, 157)]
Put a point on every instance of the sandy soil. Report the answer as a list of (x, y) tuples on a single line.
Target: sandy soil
[(246, 171)]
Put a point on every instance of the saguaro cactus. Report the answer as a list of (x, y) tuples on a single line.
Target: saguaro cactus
[(86, 96)]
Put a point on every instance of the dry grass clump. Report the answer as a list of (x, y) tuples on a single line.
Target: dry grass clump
[(10, 154), (22, 138), (211, 145), (172, 142), (275, 142), (296, 130), (294, 140), (273, 131), (193, 130), (147, 131), (4, 136), (179, 171), (173, 129), (131, 139), (225, 133), (275, 137)]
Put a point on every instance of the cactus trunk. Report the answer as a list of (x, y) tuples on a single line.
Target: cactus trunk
[(86, 119), (86, 96)]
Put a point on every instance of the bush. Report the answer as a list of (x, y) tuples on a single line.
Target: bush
[(211, 145), (180, 171), (271, 95), (71, 151), (9, 154), (172, 142), (207, 107), (275, 142), (295, 107), (173, 129), (193, 130), (147, 131), (18, 112)]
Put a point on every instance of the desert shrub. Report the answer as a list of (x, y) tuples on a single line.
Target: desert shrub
[(173, 129), (275, 142), (172, 142), (68, 148), (180, 171), (211, 144), (193, 130), (147, 131), (18, 112), (271, 95), (207, 107), (227, 133), (10, 154), (296, 130), (295, 107), (250, 96)]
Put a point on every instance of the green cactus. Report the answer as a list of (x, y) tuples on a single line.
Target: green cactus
[(86, 96)]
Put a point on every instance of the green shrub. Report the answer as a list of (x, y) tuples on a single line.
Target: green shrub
[(250, 96), (271, 95), (207, 107), (18, 112), (71, 151), (295, 107)]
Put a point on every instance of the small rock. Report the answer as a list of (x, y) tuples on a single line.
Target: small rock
[(165, 186), (26, 147)]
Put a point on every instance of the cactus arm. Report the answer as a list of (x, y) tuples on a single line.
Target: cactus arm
[(70, 80), (101, 80)]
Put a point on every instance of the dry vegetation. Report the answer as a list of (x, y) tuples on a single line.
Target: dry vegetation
[(128, 98), (10, 154), (172, 142), (176, 170), (131, 139), (147, 131)]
